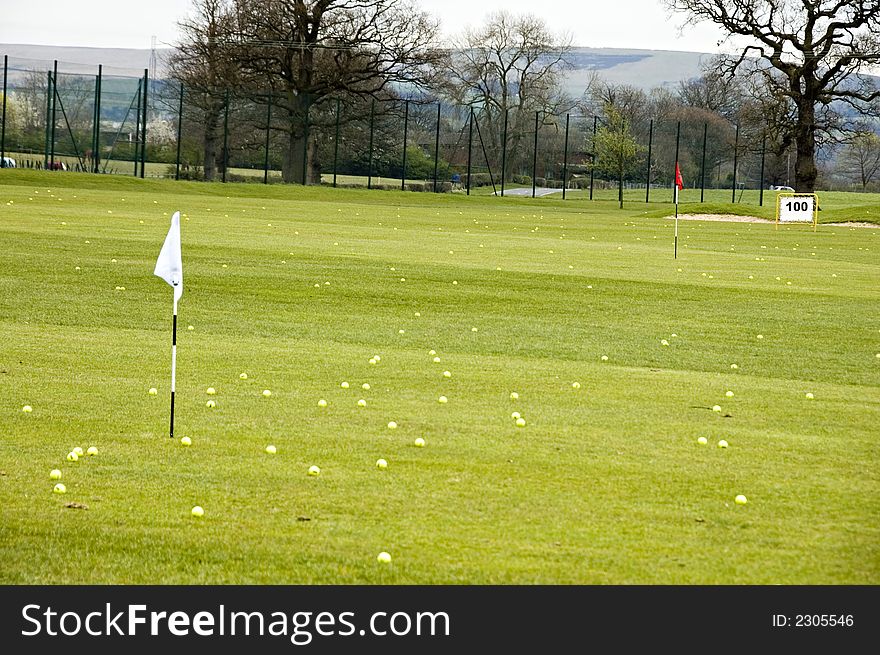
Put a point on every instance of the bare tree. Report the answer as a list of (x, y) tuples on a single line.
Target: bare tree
[(305, 51), (810, 52), (861, 157), (203, 61), (511, 65)]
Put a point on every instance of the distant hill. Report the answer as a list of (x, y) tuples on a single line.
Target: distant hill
[(116, 61), (642, 68)]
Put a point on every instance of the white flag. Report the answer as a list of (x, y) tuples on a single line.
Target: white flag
[(169, 266)]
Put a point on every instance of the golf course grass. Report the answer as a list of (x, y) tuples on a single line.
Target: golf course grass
[(300, 287)]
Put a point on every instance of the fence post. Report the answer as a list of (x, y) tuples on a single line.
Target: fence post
[(470, 143), (504, 152), (565, 159), (763, 154), (144, 127), (535, 156), (437, 148), (96, 143), (179, 133), (225, 135), (266, 152), (593, 154), (48, 118), (677, 141), (54, 108), (137, 127), (650, 146), (370, 153), (405, 128), (3, 132), (703, 163), (735, 158), (336, 144)]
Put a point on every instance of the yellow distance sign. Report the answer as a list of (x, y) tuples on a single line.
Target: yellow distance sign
[(797, 208)]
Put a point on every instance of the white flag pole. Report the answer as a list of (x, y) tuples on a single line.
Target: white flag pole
[(173, 364), (169, 267)]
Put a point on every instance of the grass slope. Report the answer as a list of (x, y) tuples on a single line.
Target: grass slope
[(605, 484)]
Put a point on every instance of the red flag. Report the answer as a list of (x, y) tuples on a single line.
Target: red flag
[(678, 181)]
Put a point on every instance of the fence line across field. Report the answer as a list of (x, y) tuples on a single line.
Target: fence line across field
[(98, 123)]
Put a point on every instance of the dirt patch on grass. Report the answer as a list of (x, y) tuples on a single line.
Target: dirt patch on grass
[(733, 218), (852, 224)]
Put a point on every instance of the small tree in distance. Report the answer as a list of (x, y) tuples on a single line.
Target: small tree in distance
[(615, 151)]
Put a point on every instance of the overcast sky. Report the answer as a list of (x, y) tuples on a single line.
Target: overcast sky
[(130, 24)]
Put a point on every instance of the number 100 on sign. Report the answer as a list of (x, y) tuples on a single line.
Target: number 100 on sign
[(796, 209)]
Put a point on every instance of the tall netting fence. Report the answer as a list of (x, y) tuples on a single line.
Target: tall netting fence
[(120, 121)]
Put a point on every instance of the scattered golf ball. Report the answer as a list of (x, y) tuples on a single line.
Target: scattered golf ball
[(92, 451), (362, 403), (190, 327), (514, 395), (383, 558), (447, 374), (153, 391), (186, 441), (344, 385), (432, 352), (79, 451), (729, 394), (520, 423), (314, 471), (604, 358), (381, 464), (210, 391), (365, 386), (734, 367), (664, 342), (373, 360), (243, 376), (809, 396), (702, 441), (760, 336), (392, 425), (515, 415), (436, 360), (716, 408), (419, 442), (740, 500), (442, 400), (575, 385), (377, 358), (27, 409), (722, 443), (210, 404), (401, 332), (322, 403), (198, 511), (267, 393), (54, 474), (72, 457), (60, 489), (271, 449)]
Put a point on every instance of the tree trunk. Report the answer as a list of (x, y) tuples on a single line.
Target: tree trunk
[(212, 117), (210, 150), (805, 171), (292, 161), (620, 187)]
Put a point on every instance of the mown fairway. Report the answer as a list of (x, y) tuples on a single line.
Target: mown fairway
[(300, 288)]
